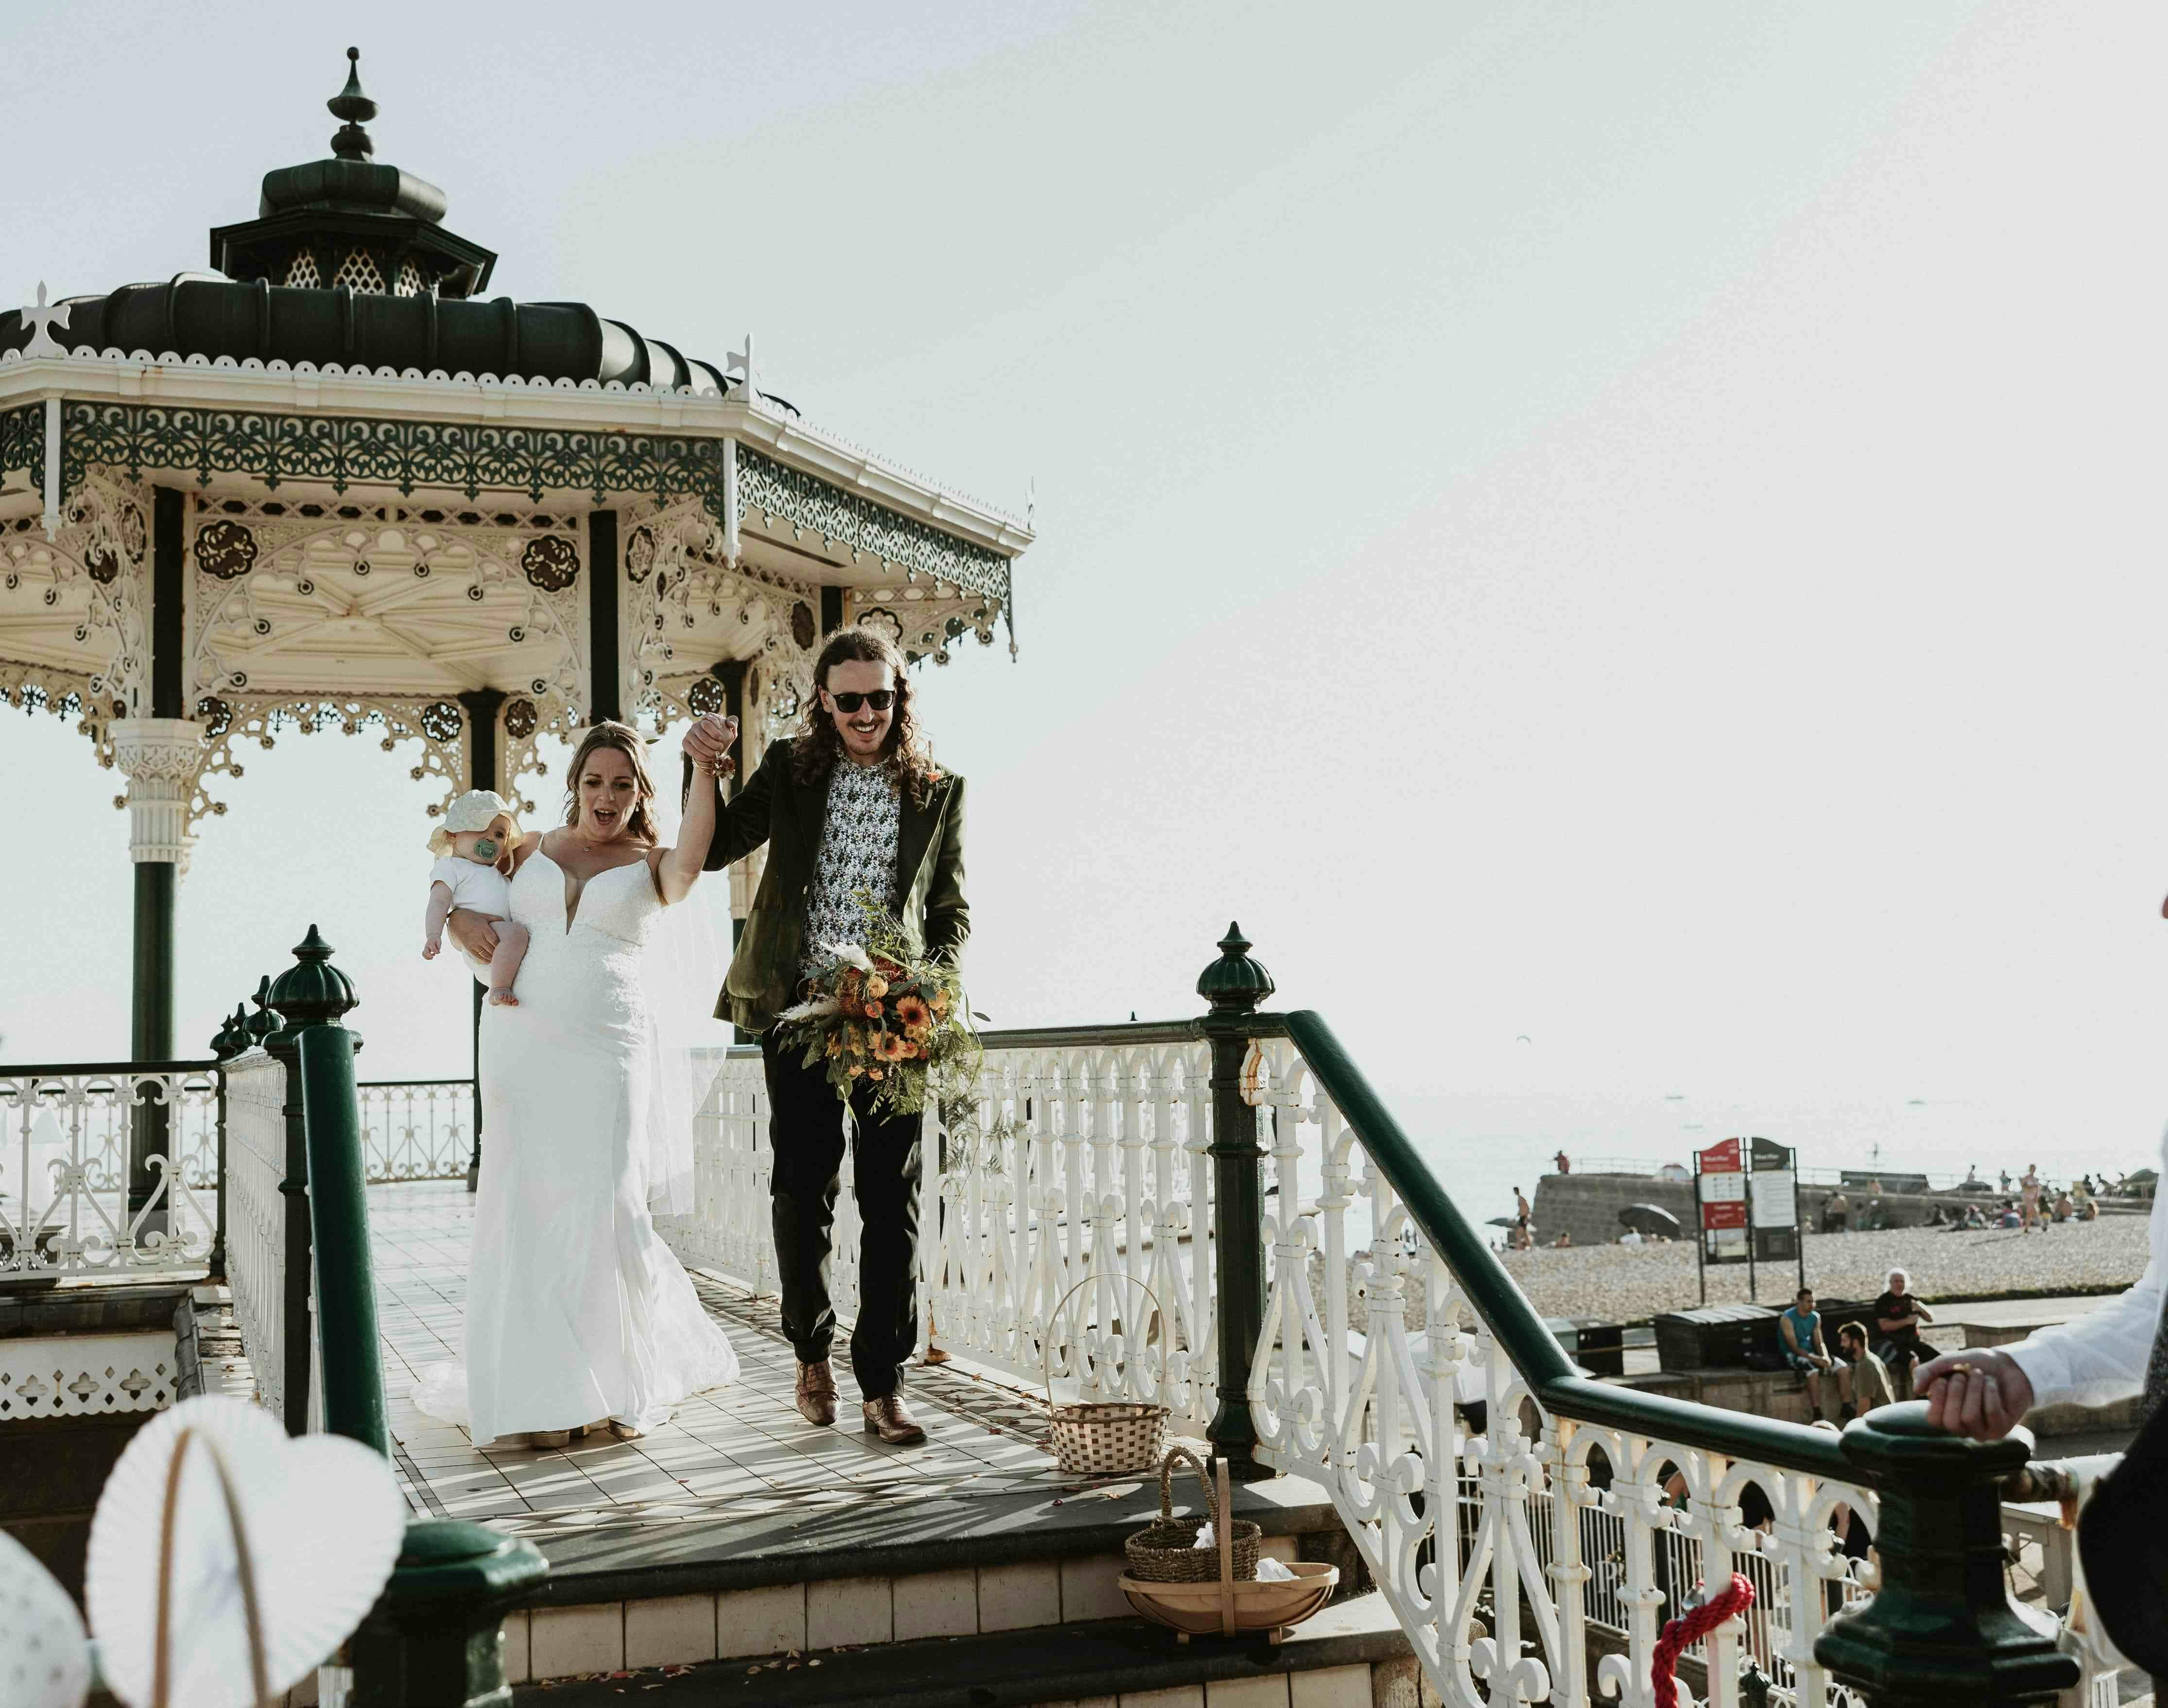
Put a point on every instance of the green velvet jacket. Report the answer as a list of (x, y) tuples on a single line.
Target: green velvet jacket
[(775, 809)]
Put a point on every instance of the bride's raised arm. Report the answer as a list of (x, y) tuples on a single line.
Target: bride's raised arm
[(678, 869)]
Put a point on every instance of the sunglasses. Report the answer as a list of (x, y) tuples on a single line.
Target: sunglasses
[(880, 699)]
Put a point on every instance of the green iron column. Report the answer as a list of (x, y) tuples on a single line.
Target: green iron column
[(483, 706), (160, 755), (1941, 1629), (1234, 985)]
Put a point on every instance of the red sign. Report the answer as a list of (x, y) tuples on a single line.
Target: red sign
[(1721, 1159), (1724, 1215)]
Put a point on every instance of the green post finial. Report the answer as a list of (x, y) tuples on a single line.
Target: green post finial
[(313, 992), (264, 1021), (357, 109), (1234, 985)]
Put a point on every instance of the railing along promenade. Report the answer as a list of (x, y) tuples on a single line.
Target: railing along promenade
[(1253, 1240), (1329, 1313)]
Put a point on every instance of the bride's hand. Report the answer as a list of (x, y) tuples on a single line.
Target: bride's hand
[(708, 743), (472, 932)]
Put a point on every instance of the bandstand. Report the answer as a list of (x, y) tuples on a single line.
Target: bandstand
[(330, 485)]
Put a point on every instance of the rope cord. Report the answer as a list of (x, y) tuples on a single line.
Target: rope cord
[(1691, 1627)]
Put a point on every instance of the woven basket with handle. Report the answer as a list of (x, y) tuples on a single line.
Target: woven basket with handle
[(1166, 1550), (1102, 1438)]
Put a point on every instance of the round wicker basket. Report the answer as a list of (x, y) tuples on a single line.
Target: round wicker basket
[(1101, 1438), (1166, 1550)]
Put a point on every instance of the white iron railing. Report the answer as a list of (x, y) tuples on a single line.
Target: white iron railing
[(1535, 1561), (65, 1136), (256, 1215), (416, 1129), (1085, 1163)]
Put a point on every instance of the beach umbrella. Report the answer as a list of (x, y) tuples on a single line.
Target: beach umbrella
[(1647, 1218), (1504, 1222)]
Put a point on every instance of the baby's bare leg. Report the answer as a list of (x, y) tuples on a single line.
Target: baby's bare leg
[(504, 965)]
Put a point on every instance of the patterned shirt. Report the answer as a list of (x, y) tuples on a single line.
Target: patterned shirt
[(857, 851)]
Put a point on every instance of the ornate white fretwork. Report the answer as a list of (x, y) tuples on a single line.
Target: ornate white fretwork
[(525, 722), (439, 725), (74, 622), (77, 1375), (685, 606), (163, 758)]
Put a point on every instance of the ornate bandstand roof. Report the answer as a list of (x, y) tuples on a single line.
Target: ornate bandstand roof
[(331, 483)]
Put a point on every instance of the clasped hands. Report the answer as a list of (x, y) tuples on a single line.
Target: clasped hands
[(708, 744)]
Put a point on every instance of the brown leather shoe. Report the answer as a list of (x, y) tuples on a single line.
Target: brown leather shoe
[(816, 1393), (886, 1418)]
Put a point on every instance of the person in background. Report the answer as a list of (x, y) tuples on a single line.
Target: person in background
[(1800, 1328), (2005, 1178), (1897, 1315), (1871, 1385), (2031, 1185), (2065, 1209), (1563, 1241), (1564, 1163), (1836, 1213), (1524, 1236)]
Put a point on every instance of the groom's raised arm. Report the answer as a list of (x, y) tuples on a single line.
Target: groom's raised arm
[(742, 819)]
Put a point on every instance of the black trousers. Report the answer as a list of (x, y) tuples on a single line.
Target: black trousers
[(806, 1126)]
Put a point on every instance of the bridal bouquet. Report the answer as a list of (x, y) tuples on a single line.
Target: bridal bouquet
[(878, 1013)]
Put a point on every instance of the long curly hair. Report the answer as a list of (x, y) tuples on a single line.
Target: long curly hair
[(817, 746), (626, 740)]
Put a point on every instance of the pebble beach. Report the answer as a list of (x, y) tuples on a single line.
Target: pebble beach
[(1626, 1284)]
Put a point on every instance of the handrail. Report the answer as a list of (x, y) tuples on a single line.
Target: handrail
[(380, 1084), (51, 1070), (1556, 1382)]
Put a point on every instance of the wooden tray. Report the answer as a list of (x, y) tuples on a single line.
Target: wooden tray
[(1226, 1609)]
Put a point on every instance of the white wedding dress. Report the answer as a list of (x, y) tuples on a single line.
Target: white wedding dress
[(576, 1310)]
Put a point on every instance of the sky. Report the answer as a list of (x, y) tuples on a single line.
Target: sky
[(1619, 542)]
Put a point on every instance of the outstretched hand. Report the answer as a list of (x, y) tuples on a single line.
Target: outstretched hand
[(1982, 1394)]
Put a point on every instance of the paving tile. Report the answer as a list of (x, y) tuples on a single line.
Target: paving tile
[(936, 1603), (1182, 1696), (1013, 1597), (669, 1630), (841, 1610), (566, 1640), (764, 1621)]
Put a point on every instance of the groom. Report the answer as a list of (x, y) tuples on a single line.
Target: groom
[(851, 803)]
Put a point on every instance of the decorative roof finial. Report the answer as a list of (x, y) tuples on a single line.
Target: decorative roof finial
[(352, 142)]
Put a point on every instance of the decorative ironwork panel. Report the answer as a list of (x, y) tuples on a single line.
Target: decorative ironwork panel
[(416, 1129), (807, 501), (87, 1376), (64, 1155), (22, 440), (342, 450)]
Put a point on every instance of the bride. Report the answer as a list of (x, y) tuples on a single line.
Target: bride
[(578, 1317)]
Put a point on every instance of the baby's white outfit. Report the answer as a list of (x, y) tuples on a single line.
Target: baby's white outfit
[(481, 889)]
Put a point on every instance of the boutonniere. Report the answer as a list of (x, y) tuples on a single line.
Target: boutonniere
[(934, 775)]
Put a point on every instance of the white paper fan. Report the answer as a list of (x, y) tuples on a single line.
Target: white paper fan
[(323, 1522), (44, 1658)]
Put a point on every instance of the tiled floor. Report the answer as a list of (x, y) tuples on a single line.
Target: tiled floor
[(743, 1448)]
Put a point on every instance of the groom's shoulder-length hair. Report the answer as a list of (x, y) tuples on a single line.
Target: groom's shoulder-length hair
[(814, 749)]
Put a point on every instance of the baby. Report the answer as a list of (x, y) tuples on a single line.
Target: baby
[(473, 849)]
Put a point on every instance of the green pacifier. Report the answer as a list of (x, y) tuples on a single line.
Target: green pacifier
[(485, 849)]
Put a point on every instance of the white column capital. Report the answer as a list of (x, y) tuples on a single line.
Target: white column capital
[(162, 758)]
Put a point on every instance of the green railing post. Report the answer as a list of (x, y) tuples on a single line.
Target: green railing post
[(435, 1638), (1234, 985), (1941, 1628)]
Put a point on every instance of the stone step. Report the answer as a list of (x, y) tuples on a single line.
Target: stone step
[(723, 1586), (1350, 1655)]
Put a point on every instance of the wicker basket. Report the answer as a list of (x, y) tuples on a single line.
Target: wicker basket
[(1102, 1438), (1165, 1552)]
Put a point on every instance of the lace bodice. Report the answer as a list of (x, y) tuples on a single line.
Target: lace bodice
[(620, 902)]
